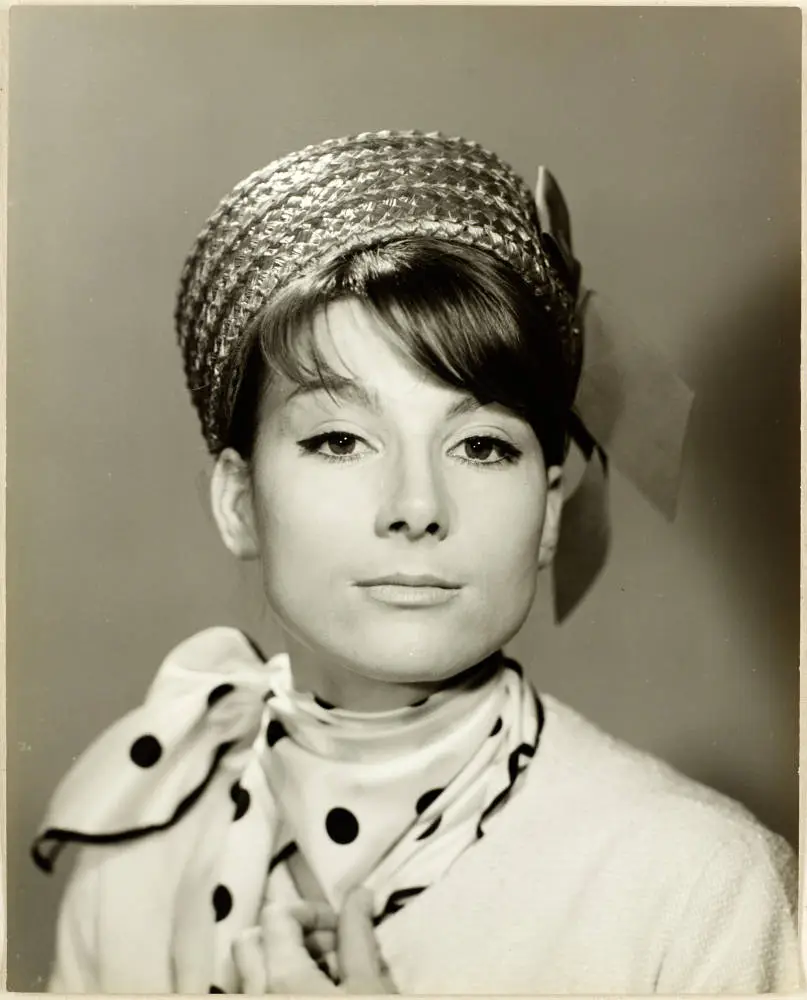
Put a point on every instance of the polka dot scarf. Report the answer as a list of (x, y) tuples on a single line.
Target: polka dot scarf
[(318, 799)]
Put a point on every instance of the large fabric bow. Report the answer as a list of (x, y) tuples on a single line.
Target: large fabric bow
[(631, 409), (200, 716)]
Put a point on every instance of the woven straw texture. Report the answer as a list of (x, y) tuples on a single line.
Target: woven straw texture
[(339, 196)]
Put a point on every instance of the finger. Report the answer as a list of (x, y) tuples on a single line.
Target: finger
[(249, 961), (319, 943), (361, 964), (328, 964), (290, 969), (311, 916)]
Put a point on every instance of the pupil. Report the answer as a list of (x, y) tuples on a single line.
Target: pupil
[(478, 448), (342, 444)]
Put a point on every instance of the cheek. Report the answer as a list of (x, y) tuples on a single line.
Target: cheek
[(306, 525), (508, 578), (504, 520)]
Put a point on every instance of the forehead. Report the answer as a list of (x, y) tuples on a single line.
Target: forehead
[(361, 360), (357, 345)]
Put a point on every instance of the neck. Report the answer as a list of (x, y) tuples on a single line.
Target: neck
[(339, 685)]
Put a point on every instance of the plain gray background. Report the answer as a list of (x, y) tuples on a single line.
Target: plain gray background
[(676, 136)]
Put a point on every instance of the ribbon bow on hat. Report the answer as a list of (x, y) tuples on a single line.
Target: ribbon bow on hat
[(630, 409)]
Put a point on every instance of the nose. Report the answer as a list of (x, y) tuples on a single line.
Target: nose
[(415, 503)]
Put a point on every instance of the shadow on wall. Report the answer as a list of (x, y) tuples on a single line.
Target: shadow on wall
[(747, 456)]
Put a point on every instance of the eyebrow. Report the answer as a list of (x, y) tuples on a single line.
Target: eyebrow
[(355, 392), (339, 388)]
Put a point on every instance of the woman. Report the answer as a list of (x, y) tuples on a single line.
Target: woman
[(383, 337)]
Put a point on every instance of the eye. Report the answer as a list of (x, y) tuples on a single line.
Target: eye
[(486, 450), (335, 445)]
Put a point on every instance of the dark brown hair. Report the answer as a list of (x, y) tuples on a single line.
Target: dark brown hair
[(458, 312)]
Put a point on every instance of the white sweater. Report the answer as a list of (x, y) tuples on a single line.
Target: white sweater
[(607, 873)]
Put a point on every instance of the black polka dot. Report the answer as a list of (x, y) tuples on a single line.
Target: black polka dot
[(275, 731), (215, 989), (222, 901), (241, 798), (432, 829), (342, 825), (146, 751), (322, 703), (426, 799), (218, 693), (497, 726)]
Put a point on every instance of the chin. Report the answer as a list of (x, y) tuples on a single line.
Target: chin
[(397, 656)]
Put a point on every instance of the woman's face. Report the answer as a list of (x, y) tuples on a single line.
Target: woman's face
[(400, 525)]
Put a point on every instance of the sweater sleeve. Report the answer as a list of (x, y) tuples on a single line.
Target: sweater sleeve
[(75, 967), (737, 932)]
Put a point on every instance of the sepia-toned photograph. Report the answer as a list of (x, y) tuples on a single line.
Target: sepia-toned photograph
[(403, 500)]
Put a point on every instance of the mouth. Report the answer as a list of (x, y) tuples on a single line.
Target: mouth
[(410, 580), (403, 590)]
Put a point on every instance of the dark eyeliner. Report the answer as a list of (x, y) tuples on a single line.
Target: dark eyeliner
[(311, 445), (509, 451)]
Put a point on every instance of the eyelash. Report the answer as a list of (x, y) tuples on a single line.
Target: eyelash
[(312, 445), (509, 453)]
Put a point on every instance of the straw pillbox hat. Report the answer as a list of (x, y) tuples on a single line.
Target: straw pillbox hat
[(338, 196)]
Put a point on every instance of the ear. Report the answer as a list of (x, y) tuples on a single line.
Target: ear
[(233, 508), (552, 514)]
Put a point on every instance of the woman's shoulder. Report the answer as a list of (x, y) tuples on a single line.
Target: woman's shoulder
[(606, 852), (614, 790), (691, 876)]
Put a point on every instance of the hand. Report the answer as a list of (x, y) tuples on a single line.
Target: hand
[(277, 956), (282, 955)]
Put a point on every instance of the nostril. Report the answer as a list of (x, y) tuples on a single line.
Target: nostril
[(433, 528)]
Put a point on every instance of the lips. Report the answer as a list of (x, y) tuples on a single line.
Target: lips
[(410, 580), (410, 590)]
